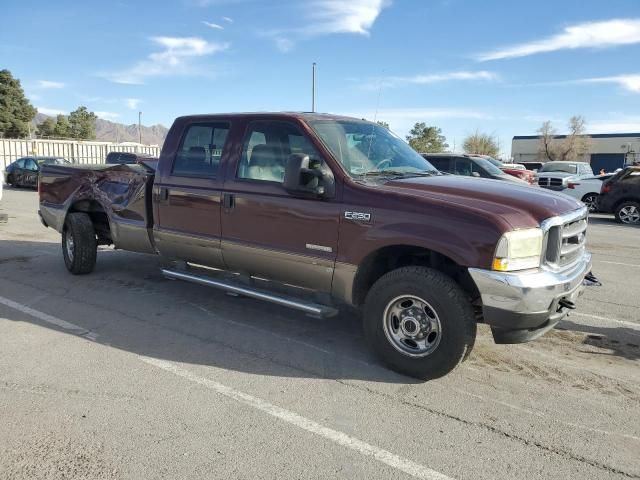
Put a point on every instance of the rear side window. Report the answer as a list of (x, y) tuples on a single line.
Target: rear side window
[(440, 163), (200, 152)]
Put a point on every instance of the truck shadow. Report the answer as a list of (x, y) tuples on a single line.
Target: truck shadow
[(126, 304), (619, 341)]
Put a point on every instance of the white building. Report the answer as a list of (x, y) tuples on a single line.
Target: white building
[(608, 151)]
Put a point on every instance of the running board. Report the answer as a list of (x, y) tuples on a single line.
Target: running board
[(311, 308)]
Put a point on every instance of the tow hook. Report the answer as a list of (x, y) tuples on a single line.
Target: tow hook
[(590, 280), (564, 303)]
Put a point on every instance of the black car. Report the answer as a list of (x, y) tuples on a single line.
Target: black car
[(24, 171), (126, 158), (620, 195), (470, 166)]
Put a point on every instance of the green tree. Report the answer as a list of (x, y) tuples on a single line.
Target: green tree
[(383, 124), (15, 110), (83, 124), (425, 139), (62, 129), (46, 128), (482, 144)]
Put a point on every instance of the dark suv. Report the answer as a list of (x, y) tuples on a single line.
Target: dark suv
[(469, 166), (620, 195)]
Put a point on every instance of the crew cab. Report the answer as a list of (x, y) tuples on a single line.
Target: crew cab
[(314, 211)]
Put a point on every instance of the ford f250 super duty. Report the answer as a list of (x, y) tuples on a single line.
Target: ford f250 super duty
[(312, 211)]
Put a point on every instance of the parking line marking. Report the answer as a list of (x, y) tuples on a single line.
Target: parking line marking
[(384, 456), (619, 263), (45, 317)]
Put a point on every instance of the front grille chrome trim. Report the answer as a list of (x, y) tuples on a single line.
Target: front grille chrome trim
[(564, 240)]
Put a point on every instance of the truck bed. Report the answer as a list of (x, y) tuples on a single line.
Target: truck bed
[(118, 198)]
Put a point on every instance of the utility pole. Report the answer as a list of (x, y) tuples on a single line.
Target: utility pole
[(140, 127), (313, 87)]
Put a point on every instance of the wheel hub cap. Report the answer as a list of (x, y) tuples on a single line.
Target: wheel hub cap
[(630, 214), (412, 326)]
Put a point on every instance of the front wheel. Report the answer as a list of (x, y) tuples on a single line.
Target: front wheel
[(628, 212), (590, 200), (79, 244), (419, 322)]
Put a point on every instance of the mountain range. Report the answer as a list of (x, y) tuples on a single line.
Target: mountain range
[(108, 131)]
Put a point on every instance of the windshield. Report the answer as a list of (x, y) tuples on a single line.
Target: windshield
[(559, 167), (496, 163), (365, 148), (488, 165)]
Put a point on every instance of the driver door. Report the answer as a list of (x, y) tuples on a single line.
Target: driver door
[(268, 232)]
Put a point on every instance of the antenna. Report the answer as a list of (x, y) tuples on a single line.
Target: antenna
[(313, 87), (375, 115)]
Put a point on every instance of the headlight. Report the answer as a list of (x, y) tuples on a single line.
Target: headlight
[(518, 250)]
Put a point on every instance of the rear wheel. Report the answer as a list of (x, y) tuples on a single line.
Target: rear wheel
[(419, 322), (590, 200), (79, 244), (628, 212)]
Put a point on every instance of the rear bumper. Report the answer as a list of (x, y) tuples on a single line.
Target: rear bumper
[(522, 306)]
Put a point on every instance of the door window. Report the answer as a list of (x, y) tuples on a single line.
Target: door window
[(267, 148), (30, 165), (20, 163), (201, 150), (462, 166)]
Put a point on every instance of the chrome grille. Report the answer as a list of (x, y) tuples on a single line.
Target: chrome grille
[(565, 242), (547, 182)]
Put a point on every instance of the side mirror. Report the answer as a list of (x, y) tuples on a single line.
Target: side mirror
[(304, 176), (475, 174)]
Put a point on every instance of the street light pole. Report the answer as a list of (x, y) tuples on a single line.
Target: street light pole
[(313, 87)]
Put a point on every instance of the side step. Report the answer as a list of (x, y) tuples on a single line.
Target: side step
[(311, 308)]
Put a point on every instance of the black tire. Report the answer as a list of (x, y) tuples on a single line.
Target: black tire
[(590, 200), (79, 244), (628, 212), (443, 296)]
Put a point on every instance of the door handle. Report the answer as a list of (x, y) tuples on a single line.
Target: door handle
[(164, 195), (228, 200)]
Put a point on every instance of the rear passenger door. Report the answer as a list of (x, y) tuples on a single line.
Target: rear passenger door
[(188, 196), (268, 232)]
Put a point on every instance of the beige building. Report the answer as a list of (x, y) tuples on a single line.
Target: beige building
[(608, 151)]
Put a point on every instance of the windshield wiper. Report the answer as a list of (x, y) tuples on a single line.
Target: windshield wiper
[(396, 173)]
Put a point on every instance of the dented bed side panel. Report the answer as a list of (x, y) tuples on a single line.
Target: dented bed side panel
[(121, 192)]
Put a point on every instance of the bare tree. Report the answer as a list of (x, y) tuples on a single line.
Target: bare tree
[(571, 147)]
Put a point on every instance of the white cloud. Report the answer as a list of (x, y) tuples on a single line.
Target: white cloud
[(107, 115), (340, 16), (227, 19), (628, 82), (50, 84), (176, 58), (325, 17), (215, 26), (51, 111), (607, 33), (132, 103), (425, 79)]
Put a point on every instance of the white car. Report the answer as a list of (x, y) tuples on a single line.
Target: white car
[(586, 189)]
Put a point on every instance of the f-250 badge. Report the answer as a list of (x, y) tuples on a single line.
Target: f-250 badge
[(358, 216)]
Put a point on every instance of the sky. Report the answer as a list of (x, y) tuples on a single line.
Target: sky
[(496, 66)]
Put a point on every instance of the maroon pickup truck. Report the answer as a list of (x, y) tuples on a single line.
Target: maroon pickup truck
[(312, 211)]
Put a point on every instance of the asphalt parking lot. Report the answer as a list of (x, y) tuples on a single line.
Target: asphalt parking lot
[(123, 374)]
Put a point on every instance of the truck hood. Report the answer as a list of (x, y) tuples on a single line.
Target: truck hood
[(521, 206)]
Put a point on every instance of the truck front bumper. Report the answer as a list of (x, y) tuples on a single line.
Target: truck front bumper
[(521, 306)]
